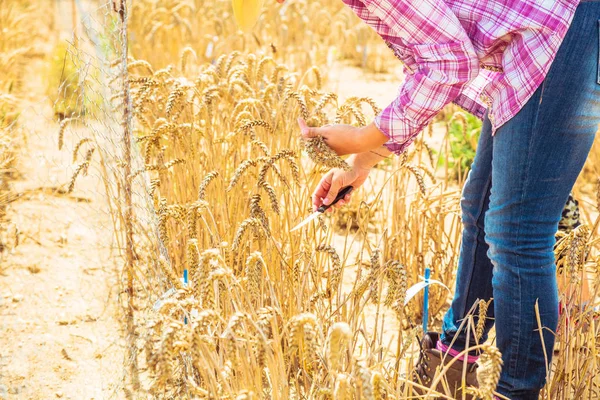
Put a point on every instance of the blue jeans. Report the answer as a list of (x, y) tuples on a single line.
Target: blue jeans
[(512, 203)]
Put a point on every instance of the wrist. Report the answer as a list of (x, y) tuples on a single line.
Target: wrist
[(371, 137), (363, 161)]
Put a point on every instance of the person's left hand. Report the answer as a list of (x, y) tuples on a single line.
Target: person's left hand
[(343, 139)]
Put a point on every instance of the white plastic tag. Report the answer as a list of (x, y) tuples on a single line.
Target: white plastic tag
[(417, 287), (159, 303)]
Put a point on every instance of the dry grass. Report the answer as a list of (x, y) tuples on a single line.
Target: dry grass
[(261, 299), (317, 313), (16, 42), (299, 34), (14, 46)]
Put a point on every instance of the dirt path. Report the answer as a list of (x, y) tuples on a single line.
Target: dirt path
[(59, 332)]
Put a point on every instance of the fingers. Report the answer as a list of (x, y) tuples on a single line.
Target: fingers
[(329, 187), (336, 185), (307, 131), (344, 201), (321, 190)]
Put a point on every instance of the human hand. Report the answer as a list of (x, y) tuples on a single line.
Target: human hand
[(346, 139), (343, 139), (335, 179)]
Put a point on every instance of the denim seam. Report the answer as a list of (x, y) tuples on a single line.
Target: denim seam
[(474, 251), (516, 343), (598, 72)]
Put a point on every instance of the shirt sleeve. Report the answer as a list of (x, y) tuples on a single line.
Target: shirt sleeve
[(443, 54)]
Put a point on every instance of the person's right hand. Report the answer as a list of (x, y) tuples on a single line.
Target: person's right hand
[(336, 179)]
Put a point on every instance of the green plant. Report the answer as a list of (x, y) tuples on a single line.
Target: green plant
[(463, 134), (69, 82)]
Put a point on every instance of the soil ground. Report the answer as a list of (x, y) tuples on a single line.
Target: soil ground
[(59, 330)]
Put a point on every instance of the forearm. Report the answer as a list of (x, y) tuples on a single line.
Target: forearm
[(371, 138), (368, 159)]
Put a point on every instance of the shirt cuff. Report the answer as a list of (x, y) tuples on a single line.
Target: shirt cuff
[(399, 131)]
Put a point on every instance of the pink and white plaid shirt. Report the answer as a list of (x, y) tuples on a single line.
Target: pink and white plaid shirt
[(483, 55)]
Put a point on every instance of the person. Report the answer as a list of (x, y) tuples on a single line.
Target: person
[(530, 70)]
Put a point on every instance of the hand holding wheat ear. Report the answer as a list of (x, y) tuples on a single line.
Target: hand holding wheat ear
[(342, 139), (346, 139)]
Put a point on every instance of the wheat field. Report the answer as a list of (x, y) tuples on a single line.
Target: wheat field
[(219, 300)]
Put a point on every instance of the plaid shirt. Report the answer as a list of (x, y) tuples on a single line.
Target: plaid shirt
[(483, 55)]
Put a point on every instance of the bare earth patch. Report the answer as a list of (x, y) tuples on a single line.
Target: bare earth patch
[(59, 329)]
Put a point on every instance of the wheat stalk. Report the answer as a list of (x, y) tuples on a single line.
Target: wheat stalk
[(483, 306), (254, 267), (242, 229), (320, 153), (337, 266), (61, 130), (82, 168), (339, 340), (342, 389), (211, 176), (488, 373), (78, 146)]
